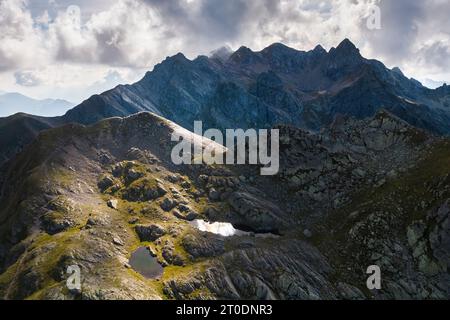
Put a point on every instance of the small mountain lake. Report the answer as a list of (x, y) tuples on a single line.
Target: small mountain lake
[(144, 263), (226, 229)]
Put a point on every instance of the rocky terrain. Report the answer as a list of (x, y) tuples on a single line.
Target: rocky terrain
[(354, 194)]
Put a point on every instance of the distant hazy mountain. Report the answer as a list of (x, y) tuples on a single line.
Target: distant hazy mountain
[(12, 103)]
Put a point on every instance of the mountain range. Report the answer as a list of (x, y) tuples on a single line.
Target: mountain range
[(363, 181), (257, 89)]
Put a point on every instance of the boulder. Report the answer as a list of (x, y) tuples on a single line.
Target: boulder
[(117, 241), (307, 233), (144, 189), (168, 204), (54, 222), (253, 211), (149, 232), (113, 204), (186, 215), (214, 195), (106, 182), (133, 175)]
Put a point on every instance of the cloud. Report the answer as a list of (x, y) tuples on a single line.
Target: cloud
[(128, 34), (20, 42), (436, 54), (400, 29)]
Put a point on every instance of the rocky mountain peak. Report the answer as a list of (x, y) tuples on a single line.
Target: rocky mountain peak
[(347, 46), (280, 54), (319, 50), (222, 54), (398, 71), (179, 57), (346, 51), (278, 48)]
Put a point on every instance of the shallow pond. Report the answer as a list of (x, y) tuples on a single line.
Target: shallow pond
[(144, 263), (226, 229)]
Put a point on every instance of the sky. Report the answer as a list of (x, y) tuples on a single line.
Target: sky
[(71, 49)]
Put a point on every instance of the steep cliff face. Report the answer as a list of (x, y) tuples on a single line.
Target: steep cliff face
[(357, 194)]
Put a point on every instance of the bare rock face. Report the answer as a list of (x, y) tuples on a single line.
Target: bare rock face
[(440, 235), (144, 190), (60, 215), (233, 276), (187, 215), (168, 204), (170, 256), (54, 223)]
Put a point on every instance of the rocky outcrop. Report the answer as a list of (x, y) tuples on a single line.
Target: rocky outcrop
[(150, 232)]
